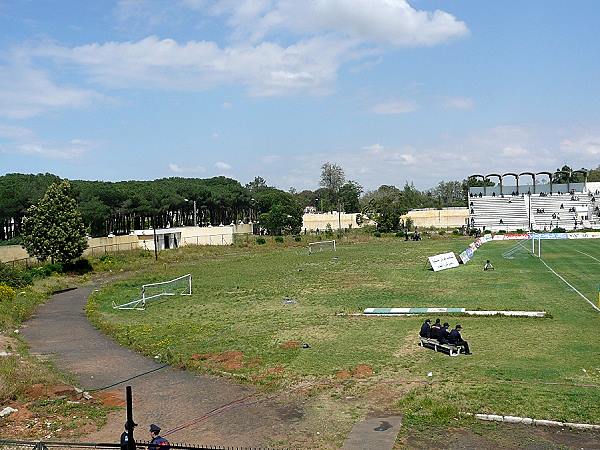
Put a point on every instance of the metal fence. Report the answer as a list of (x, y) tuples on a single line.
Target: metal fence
[(6, 444)]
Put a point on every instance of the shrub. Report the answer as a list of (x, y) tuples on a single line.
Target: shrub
[(442, 232), (6, 293), (279, 239), (377, 234), (46, 270), (14, 277), (502, 232), (455, 232), (297, 239), (261, 240), (399, 234), (559, 230), (80, 266), (520, 230)]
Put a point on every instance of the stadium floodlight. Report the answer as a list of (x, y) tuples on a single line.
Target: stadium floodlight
[(320, 246), (152, 291)]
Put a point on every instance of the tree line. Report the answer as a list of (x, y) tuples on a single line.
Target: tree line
[(120, 207)]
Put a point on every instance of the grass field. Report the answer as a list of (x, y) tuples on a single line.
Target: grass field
[(236, 323)]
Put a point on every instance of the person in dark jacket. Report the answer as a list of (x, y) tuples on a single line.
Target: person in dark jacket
[(158, 442), (456, 339), (444, 333), (434, 332), (425, 329), (125, 437)]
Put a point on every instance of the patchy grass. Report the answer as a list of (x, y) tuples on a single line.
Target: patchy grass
[(542, 368)]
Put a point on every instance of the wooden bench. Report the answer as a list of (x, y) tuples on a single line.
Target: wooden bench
[(435, 345)]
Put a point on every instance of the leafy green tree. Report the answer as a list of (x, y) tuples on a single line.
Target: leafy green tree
[(332, 179), (54, 227), (594, 174), (385, 206), (350, 195)]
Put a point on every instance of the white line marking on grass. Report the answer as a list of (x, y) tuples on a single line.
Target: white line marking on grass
[(584, 253), (570, 285)]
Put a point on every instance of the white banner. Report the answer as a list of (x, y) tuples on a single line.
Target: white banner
[(443, 261)]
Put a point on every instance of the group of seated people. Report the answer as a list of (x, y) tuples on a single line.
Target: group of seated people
[(442, 335), (540, 211)]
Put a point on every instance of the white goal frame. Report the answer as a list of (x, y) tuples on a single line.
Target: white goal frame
[(318, 243), (140, 304)]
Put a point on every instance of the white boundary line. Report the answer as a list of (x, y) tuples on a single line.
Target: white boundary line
[(570, 285), (584, 253)]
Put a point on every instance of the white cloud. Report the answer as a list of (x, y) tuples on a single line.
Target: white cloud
[(461, 103), (23, 141), (26, 92), (222, 165), (175, 168), (215, 135), (226, 105), (514, 152), (265, 69), (394, 107), (391, 22), (587, 144)]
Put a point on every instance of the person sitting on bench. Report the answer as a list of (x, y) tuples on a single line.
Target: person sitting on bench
[(488, 265), (444, 333), (434, 332), (455, 338), (425, 329)]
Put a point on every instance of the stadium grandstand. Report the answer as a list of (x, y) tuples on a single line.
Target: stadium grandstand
[(540, 204)]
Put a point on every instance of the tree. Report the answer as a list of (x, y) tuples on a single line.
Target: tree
[(256, 184), (594, 175), (332, 179), (385, 205), (54, 227), (349, 196)]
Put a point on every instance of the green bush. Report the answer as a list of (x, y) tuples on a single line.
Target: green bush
[(377, 234), (6, 293), (279, 239), (297, 239), (46, 270), (79, 266), (559, 230), (399, 234), (442, 232), (455, 232), (520, 230), (14, 277), (261, 240)]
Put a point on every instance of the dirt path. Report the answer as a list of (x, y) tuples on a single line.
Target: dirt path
[(168, 396)]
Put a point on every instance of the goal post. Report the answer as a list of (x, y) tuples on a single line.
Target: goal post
[(178, 286), (320, 246)]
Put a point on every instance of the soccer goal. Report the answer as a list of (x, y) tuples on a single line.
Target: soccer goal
[(153, 291), (320, 246)]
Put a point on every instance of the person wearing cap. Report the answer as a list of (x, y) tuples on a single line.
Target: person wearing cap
[(125, 437), (158, 442), (455, 338), (434, 332), (488, 265), (444, 333), (425, 329)]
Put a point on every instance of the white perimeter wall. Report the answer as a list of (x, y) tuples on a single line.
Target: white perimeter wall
[(314, 221)]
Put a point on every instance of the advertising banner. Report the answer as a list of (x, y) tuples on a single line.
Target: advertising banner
[(443, 261)]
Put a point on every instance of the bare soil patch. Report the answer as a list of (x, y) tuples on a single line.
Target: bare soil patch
[(290, 345)]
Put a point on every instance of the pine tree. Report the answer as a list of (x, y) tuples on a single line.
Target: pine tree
[(53, 229)]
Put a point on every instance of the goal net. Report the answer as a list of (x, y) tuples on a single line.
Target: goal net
[(321, 246), (154, 291)]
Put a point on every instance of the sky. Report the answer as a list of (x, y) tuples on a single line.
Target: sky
[(394, 91)]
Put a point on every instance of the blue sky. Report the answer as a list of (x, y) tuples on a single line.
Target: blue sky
[(391, 90)]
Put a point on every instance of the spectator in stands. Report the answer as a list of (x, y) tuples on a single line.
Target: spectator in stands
[(562, 206), (455, 338), (444, 333), (434, 332), (501, 222), (488, 265), (480, 195), (472, 211), (425, 329), (493, 194)]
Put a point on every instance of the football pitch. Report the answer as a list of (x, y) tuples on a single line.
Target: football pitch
[(253, 307)]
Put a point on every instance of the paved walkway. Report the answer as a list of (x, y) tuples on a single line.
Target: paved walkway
[(168, 397)]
